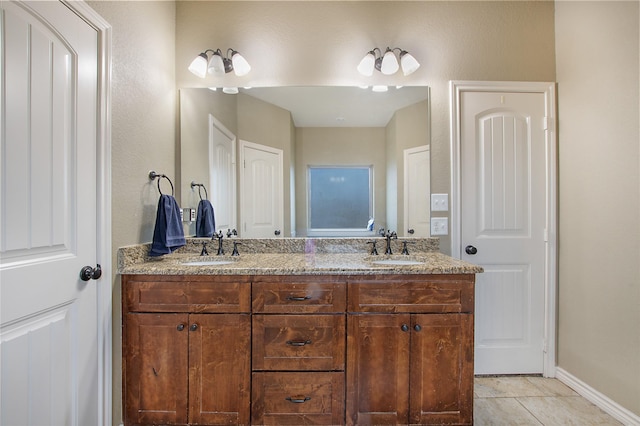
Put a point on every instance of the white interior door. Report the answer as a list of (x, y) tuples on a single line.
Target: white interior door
[(50, 327), (222, 167), (262, 208), (417, 210), (503, 225)]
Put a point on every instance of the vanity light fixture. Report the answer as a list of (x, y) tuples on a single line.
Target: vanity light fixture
[(387, 63), (218, 64)]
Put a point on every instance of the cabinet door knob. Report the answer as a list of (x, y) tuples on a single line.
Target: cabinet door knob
[(193, 327), (180, 327), (404, 327), (417, 327)]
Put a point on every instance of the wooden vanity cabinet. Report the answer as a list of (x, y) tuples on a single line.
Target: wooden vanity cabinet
[(293, 350), (186, 350), (410, 350)]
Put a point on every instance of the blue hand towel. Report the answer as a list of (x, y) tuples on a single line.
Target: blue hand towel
[(168, 234), (205, 219)]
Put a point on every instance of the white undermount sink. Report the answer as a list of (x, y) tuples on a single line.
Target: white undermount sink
[(207, 261), (397, 262)]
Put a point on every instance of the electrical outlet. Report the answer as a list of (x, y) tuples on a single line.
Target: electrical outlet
[(439, 226), (439, 202)]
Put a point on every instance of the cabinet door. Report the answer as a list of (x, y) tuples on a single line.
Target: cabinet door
[(219, 369), (378, 369), (155, 369), (441, 387)]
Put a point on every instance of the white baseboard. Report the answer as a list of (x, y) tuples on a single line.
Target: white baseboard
[(600, 400)]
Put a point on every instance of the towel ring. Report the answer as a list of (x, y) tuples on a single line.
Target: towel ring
[(200, 185), (153, 175)]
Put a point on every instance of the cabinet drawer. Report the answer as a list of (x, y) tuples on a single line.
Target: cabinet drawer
[(443, 294), (297, 398), (204, 294), (298, 342), (299, 295)]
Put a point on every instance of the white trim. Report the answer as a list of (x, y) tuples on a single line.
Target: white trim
[(103, 198), (549, 90), (600, 400)]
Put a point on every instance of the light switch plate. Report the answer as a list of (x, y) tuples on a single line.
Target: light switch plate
[(439, 202), (439, 226)]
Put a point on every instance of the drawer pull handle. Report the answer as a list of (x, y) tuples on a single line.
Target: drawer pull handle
[(298, 298), (180, 327), (417, 327), (298, 399), (298, 342), (193, 327), (404, 327)]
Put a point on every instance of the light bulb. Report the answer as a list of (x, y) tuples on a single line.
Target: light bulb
[(379, 88), (240, 65), (408, 62), (199, 65), (389, 63), (216, 65), (366, 65)]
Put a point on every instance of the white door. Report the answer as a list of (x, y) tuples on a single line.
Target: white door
[(222, 166), (417, 210), (50, 327), (503, 218), (262, 209)]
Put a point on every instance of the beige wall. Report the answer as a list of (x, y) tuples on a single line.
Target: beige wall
[(288, 43), (143, 130), (599, 175), (322, 146)]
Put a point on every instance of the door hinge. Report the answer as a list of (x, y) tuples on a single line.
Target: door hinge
[(547, 123), (546, 235)]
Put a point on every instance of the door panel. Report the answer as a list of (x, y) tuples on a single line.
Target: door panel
[(222, 149), (441, 380), (262, 212), (49, 333), (503, 190), (219, 369), (417, 192), (155, 350), (378, 369)]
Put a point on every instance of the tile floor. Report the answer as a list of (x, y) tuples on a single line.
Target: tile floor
[(524, 400)]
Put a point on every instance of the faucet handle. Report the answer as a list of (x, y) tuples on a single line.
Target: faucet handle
[(204, 251), (235, 249), (374, 250), (404, 246)]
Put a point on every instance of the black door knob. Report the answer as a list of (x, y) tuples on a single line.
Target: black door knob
[(88, 273), (411, 231), (470, 250), (277, 232)]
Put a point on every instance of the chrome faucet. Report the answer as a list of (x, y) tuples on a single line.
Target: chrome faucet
[(389, 235)]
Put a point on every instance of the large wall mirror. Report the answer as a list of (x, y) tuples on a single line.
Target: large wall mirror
[(307, 161)]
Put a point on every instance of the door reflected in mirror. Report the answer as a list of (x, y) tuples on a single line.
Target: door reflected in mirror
[(312, 127)]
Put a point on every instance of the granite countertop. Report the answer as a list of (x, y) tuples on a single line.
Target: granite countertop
[(293, 256)]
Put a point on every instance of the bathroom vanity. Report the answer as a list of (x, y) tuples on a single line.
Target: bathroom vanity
[(294, 338)]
